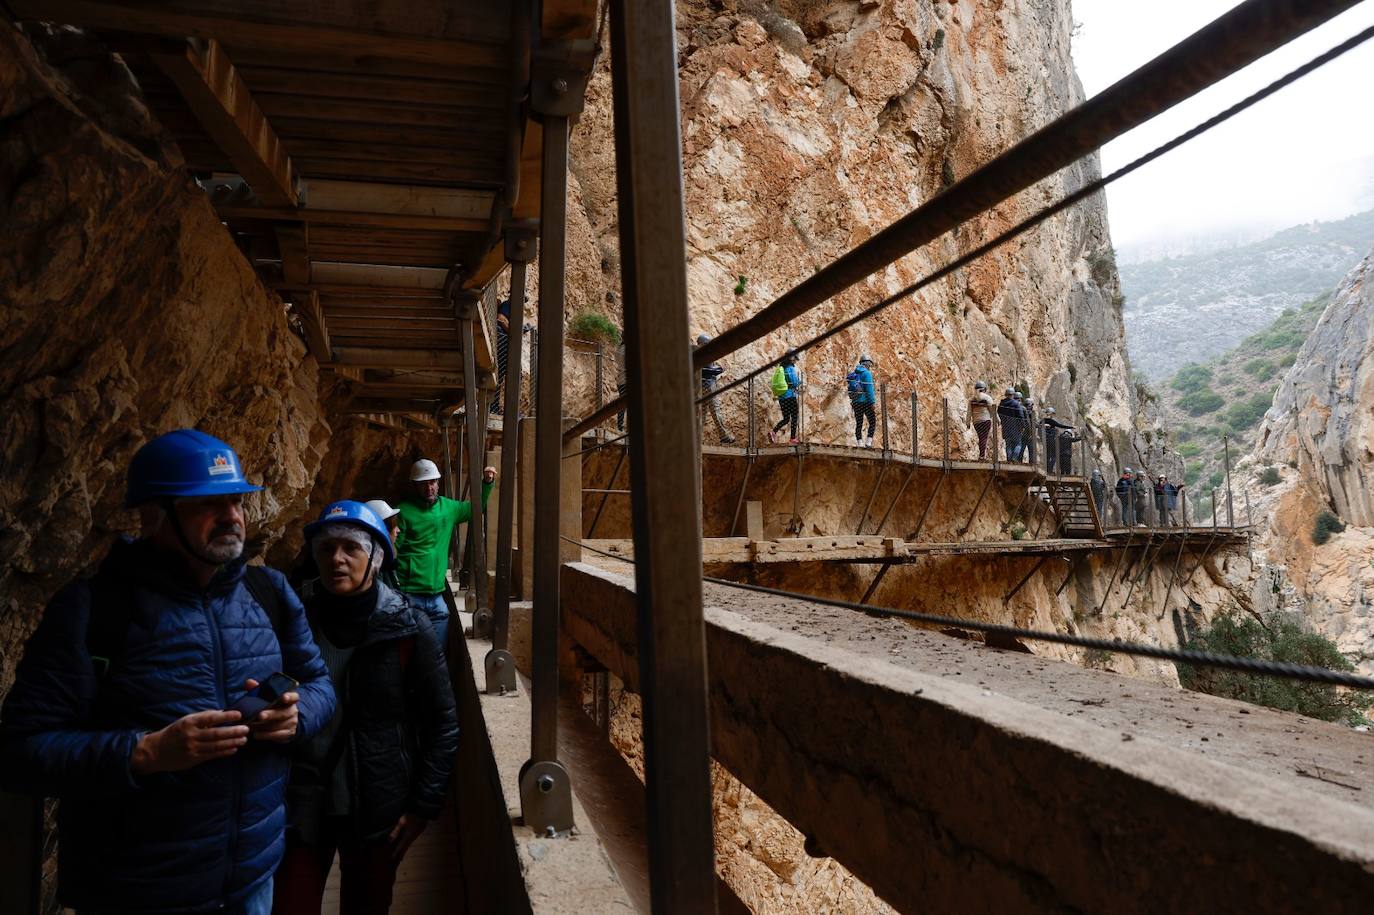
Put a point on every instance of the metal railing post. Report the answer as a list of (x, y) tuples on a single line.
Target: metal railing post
[(945, 459), (600, 381), (545, 791), (751, 440), (477, 440), (665, 463), (915, 430), (1230, 504), (498, 664), (882, 388), (1214, 508)]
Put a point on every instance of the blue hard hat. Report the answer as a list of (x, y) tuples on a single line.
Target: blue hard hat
[(347, 511), (184, 462)]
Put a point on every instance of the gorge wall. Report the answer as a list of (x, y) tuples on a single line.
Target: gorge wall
[(809, 126), (1319, 437), (127, 310)]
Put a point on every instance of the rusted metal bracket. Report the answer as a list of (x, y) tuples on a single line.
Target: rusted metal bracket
[(925, 512), (1073, 567), (546, 798), (559, 72), (882, 472), (900, 490), (1022, 583), (499, 667), (979, 504), (1115, 569), (794, 526)]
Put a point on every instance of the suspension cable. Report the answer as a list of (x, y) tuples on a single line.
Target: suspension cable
[(1279, 669)]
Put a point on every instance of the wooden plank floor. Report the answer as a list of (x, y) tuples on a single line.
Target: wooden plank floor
[(429, 881)]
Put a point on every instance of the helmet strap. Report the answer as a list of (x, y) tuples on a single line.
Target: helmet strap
[(169, 509)]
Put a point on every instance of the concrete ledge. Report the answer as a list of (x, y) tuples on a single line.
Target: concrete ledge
[(946, 797), (507, 867)]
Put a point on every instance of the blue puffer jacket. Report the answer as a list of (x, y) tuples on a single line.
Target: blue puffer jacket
[(198, 840)]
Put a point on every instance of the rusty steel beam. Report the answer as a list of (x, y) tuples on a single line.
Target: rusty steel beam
[(665, 458), (1235, 40)]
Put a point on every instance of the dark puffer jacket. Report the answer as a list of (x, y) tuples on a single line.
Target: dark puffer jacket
[(191, 841), (398, 720)]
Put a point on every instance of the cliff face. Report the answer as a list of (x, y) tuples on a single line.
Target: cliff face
[(1319, 435), (125, 311), (807, 127)]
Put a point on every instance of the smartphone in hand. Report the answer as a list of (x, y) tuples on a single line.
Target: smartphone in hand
[(263, 696)]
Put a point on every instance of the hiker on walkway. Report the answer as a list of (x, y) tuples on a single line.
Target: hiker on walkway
[(1012, 416), (368, 783), (124, 704), (1027, 453), (1067, 439), (1099, 490), (391, 517), (1142, 498), (980, 409), (710, 376), (1125, 493), (1053, 446), (863, 398), (427, 524), (1166, 500), (785, 384)]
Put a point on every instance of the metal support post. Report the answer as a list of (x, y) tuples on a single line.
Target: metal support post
[(665, 462), (534, 371), (915, 429), (882, 472), (753, 445), (795, 525), (882, 388), (600, 399), (498, 664), (545, 792), (1130, 532), (1214, 508), (1230, 504), (477, 441), (1022, 583), (945, 459)]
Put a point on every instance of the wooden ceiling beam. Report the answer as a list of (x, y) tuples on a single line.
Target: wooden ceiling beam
[(293, 241), (328, 202), (377, 275), (450, 360), (307, 308), (221, 102), (446, 40)]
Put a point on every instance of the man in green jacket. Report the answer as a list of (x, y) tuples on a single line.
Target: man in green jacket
[(427, 522)]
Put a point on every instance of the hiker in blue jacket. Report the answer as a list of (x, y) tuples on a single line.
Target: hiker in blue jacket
[(785, 384), (863, 398), (710, 377), (123, 706)]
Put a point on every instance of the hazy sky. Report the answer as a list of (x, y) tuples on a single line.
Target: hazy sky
[(1305, 153)]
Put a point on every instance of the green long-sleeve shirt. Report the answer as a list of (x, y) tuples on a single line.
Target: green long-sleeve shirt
[(425, 535)]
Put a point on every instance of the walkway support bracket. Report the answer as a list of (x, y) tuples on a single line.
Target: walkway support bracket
[(498, 664), (665, 458), (545, 791)]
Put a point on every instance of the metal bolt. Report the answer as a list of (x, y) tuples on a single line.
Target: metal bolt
[(550, 832), (560, 86), (545, 784), (498, 663)]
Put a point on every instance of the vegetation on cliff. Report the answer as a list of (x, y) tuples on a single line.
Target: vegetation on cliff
[(1276, 637)]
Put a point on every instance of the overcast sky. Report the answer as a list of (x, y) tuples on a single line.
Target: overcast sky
[(1306, 153)]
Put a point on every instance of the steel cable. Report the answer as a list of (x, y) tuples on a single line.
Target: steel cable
[(1259, 666)]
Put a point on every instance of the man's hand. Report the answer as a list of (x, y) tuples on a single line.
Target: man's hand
[(404, 834), (188, 742), (276, 723), (488, 474)]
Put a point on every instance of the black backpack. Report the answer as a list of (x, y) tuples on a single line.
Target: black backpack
[(112, 613)]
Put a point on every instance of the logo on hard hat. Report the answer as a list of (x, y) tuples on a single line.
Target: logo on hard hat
[(221, 466), (337, 510)]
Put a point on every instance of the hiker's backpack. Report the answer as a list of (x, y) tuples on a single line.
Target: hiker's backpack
[(112, 613), (778, 383), (855, 383)]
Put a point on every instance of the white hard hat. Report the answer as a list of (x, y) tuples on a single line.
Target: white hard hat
[(423, 469), (382, 509)]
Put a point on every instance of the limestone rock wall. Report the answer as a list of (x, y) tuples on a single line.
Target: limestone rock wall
[(809, 126), (125, 311), (1319, 436)]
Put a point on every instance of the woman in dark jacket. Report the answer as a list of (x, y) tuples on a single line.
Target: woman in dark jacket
[(368, 784)]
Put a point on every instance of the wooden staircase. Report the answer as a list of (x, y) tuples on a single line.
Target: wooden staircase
[(1071, 501)]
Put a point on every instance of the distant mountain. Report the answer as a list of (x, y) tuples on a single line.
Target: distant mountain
[(1190, 309)]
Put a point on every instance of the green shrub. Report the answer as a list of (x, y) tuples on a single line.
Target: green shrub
[(1216, 479), (1189, 449), (1191, 378), (1203, 400), (593, 325), (1243, 414), (1275, 638), (1269, 476), (1287, 359), (1259, 368), (1103, 266), (1326, 524)]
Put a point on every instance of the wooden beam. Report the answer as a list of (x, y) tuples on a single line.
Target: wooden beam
[(384, 420), (222, 103), (447, 39), (361, 203), (450, 360), (293, 241), (349, 372), (378, 275), (307, 308)]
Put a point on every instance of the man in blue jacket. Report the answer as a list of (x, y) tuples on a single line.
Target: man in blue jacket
[(863, 397), (123, 706)]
